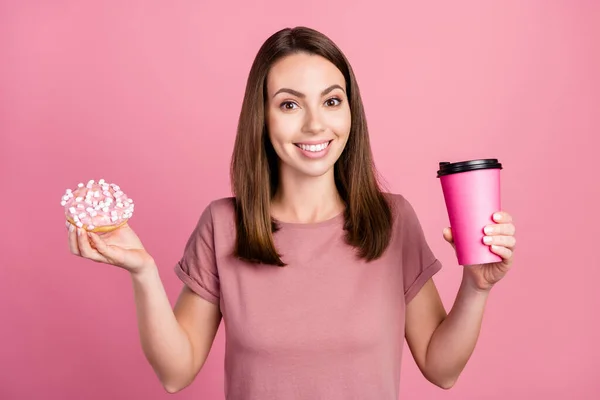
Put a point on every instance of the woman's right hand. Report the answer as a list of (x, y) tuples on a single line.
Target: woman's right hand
[(120, 247)]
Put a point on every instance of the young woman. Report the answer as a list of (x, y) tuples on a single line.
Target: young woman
[(317, 274)]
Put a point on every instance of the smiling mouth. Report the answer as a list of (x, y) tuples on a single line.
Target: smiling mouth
[(315, 148)]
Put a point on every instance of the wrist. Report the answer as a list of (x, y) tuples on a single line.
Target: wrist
[(472, 285), (148, 269)]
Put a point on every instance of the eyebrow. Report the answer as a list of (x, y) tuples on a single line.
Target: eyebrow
[(302, 95)]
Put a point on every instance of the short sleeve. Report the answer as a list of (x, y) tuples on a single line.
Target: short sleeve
[(418, 261), (197, 268)]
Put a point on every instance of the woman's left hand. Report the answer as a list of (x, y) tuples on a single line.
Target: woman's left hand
[(501, 237)]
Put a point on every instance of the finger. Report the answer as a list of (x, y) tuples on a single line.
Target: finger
[(500, 229), (503, 252), (106, 251), (448, 235), (505, 241), (502, 216), (85, 248), (73, 246)]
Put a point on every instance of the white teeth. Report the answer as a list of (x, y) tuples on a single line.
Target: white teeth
[(314, 147)]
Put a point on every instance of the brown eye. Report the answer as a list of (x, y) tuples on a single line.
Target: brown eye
[(334, 101), (288, 105)]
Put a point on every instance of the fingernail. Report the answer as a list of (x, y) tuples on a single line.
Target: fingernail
[(487, 240), (497, 217), (71, 228), (488, 230), (78, 231)]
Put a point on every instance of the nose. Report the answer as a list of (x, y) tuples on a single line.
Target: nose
[(313, 123)]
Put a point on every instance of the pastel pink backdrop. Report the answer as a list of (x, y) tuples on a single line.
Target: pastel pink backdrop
[(147, 95)]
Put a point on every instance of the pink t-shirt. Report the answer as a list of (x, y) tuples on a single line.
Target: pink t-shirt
[(328, 325)]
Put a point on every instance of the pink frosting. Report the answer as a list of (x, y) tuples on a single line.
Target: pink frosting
[(97, 204)]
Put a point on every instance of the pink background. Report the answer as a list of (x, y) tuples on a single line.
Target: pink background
[(147, 95)]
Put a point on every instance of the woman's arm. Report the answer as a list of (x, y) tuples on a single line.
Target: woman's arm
[(442, 343)]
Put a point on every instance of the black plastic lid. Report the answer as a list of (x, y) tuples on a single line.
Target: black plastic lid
[(447, 168)]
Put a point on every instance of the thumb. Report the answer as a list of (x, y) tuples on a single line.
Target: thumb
[(448, 235), (102, 248)]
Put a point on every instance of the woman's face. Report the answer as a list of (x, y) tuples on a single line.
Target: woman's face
[(307, 114)]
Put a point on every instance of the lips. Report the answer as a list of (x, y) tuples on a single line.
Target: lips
[(318, 150), (313, 142)]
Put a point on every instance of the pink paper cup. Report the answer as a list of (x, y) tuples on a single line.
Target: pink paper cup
[(472, 195)]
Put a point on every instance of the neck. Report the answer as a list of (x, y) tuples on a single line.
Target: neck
[(305, 199)]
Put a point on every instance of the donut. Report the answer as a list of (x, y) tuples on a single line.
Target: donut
[(97, 206)]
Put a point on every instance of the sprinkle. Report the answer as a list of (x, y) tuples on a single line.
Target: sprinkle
[(72, 210), (75, 218), (114, 218), (105, 209), (79, 199), (65, 197), (93, 213), (113, 213), (70, 195), (79, 224), (63, 203), (91, 227), (120, 205), (106, 193), (82, 216), (80, 206), (95, 203), (80, 185), (90, 182), (101, 181), (96, 194), (69, 191), (89, 209)]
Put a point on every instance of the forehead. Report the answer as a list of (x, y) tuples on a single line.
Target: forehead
[(304, 72)]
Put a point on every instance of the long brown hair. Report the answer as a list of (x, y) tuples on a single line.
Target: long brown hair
[(254, 164)]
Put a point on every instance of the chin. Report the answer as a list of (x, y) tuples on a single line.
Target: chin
[(314, 171)]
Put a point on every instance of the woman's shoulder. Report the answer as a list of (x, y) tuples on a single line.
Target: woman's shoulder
[(403, 211), (221, 208), (397, 201), (217, 216)]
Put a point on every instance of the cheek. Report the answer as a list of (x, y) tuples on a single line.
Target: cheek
[(282, 128), (341, 123)]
